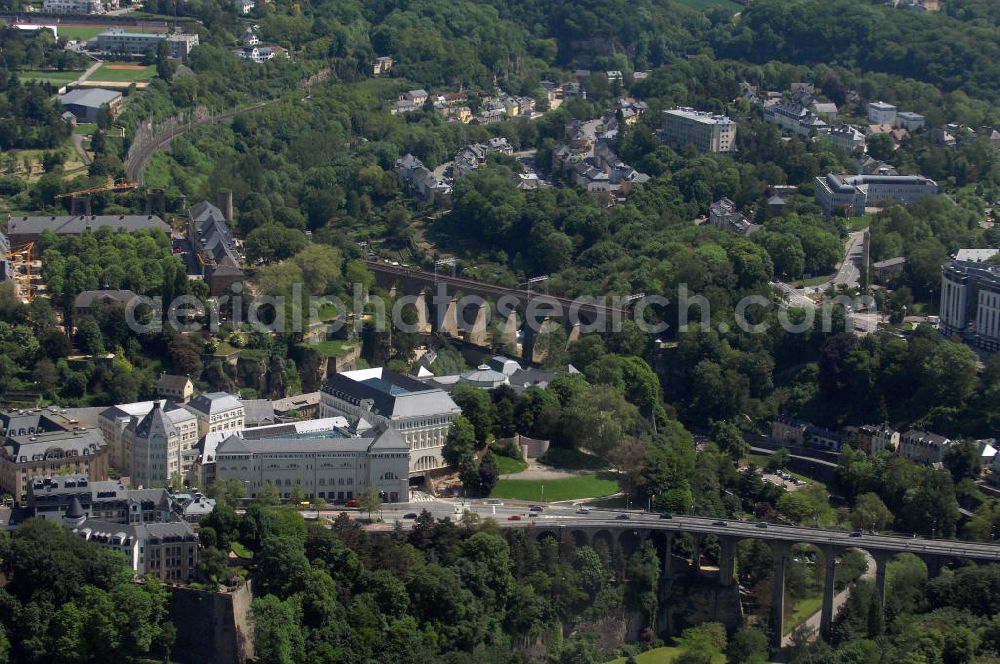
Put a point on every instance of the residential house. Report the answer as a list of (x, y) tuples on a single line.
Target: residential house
[(381, 65), (87, 302), (419, 180), (846, 138), (881, 113), (886, 271), (723, 215), (909, 121), (249, 37), (794, 118), (178, 389), (923, 447), (789, 431), (243, 7), (260, 53)]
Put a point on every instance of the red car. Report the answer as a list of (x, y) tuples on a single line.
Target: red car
[(352, 503), (514, 517)]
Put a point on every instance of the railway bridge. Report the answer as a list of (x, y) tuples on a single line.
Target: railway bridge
[(480, 312)]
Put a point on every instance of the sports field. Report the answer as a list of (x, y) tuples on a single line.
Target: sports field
[(123, 71), (46, 76)]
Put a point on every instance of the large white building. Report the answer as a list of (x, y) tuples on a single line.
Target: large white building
[(72, 7), (121, 42), (856, 192), (421, 413), (970, 302), (157, 448), (708, 132), (332, 463), (119, 425), (881, 113)]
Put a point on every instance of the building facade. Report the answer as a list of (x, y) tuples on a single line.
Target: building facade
[(50, 498), (421, 413), (923, 447), (856, 192), (167, 551), (82, 452), (706, 131), (334, 464), (119, 425), (217, 411), (881, 113), (120, 42), (178, 389), (970, 302)]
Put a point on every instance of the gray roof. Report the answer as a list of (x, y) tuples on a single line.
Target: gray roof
[(298, 401), (214, 402), (154, 423), (86, 298), (173, 381), (334, 440), (257, 411), (90, 97), (391, 395), (204, 211), (74, 225), (79, 442)]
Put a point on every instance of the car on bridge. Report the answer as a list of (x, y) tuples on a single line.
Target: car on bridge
[(623, 517), (536, 508)]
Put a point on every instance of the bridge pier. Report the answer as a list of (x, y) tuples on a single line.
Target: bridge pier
[(477, 333), (695, 554), (668, 557), (420, 303), (826, 611), (727, 560), (882, 559), (507, 330), (574, 333), (446, 318), (781, 550), (934, 565)]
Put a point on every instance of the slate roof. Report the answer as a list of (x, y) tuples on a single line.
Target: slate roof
[(390, 394), (74, 225), (214, 402), (87, 299)]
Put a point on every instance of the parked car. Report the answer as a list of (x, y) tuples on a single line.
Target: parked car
[(532, 513), (583, 510), (623, 517), (352, 503), (536, 508), (410, 515), (514, 517), (719, 523)]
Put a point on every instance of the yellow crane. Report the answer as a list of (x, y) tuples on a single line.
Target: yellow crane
[(21, 258), (112, 185)]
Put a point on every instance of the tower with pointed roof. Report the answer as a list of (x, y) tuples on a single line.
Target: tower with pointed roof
[(155, 444), (74, 515)]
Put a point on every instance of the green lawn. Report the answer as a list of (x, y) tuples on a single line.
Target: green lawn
[(812, 281), (48, 76), (803, 609), (509, 465), (560, 457), (331, 348), (241, 551), (86, 129), (571, 488), (327, 312), (81, 33), (107, 73), (664, 655)]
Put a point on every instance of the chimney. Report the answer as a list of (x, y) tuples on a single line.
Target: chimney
[(80, 205), (224, 201), (156, 202)]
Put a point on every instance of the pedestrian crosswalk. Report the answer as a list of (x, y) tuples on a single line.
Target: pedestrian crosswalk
[(421, 497)]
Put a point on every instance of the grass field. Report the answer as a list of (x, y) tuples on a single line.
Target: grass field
[(803, 609), (509, 465), (80, 33), (46, 76), (710, 4), (664, 655), (560, 457), (86, 129), (331, 348), (109, 72), (571, 488)]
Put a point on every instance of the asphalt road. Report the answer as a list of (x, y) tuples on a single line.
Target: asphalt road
[(564, 515)]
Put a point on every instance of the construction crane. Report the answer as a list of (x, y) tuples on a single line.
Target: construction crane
[(18, 258), (115, 185)]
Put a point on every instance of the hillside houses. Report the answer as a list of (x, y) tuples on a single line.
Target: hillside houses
[(475, 155), (420, 181), (723, 215), (598, 170)]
